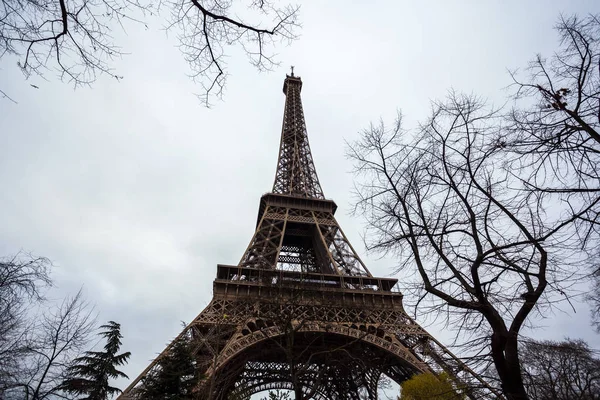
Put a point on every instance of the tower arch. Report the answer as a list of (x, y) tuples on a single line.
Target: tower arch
[(265, 362)]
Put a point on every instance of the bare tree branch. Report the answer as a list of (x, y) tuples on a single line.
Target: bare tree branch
[(560, 370), (552, 140), (74, 37), (23, 278)]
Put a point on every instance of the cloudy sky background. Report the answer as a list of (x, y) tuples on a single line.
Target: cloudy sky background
[(136, 191)]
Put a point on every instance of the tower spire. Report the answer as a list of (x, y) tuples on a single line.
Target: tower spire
[(296, 174)]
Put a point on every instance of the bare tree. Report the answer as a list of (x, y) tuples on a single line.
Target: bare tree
[(74, 37), (57, 337), (565, 370), (487, 257), (552, 140), (22, 280)]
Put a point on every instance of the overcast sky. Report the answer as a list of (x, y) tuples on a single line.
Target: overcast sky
[(136, 191)]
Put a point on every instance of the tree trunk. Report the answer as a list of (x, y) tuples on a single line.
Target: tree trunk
[(506, 360)]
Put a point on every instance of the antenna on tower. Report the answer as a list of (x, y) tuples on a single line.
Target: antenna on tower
[(292, 71)]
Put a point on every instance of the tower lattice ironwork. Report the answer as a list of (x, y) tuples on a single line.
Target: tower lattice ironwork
[(301, 311)]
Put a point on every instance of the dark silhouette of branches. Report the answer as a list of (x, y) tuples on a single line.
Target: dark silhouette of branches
[(205, 29), (37, 341), (566, 370), (57, 337), (552, 138), (74, 37), (6, 96), (22, 281), (486, 255)]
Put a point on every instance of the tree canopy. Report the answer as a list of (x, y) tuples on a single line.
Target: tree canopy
[(429, 387), (565, 370), (176, 374)]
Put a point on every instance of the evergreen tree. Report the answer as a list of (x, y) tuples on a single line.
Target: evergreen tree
[(89, 375), (174, 377), (277, 395)]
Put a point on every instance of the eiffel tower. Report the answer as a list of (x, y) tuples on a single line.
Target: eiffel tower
[(301, 311)]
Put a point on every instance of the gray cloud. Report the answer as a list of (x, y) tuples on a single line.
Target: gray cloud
[(137, 192)]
